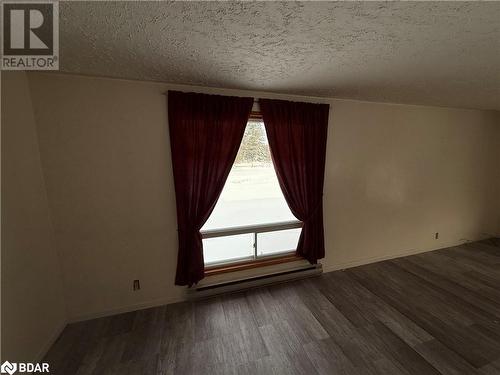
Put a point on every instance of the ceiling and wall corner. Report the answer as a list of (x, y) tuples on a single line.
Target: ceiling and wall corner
[(431, 53)]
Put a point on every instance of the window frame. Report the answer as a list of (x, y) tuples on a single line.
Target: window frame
[(255, 260), (255, 230)]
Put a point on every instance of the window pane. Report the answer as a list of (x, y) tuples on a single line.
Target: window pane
[(251, 194), (220, 249), (277, 242)]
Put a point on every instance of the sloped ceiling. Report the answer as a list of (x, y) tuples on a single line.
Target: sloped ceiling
[(436, 53)]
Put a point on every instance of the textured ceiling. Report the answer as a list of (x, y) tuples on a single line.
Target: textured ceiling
[(437, 53)]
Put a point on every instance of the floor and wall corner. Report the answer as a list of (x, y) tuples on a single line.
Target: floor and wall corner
[(96, 182)]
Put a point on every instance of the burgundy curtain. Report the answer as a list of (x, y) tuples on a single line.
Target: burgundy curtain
[(297, 138), (205, 134)]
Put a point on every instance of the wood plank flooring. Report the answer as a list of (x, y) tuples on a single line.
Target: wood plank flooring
[(432, 313)]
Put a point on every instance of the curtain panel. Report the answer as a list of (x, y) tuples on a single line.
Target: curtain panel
[(297, 138), (205, 134)]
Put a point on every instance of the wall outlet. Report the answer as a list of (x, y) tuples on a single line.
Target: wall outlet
[(436, 236), (137, 285)]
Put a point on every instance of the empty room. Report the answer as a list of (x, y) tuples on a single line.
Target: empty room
[(250, 188)]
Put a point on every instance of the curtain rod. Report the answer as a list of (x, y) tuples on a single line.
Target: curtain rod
[(293, 98), (255, 100)]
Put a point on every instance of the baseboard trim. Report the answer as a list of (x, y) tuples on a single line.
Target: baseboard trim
[(125, 309), (48, 344), (363, 261), (326, 268)]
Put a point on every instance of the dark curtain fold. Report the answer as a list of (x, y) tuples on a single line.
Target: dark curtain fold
[(205, 134), (297, 138)]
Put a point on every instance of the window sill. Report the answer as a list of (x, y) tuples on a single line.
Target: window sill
[(245, 265)]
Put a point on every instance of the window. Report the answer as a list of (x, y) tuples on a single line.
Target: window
[(251, 219)]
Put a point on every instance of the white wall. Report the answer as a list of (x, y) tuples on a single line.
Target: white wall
[(395, 175), (33, 308), (106, 157)]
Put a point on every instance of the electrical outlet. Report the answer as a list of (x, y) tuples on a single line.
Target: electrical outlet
[(436, 236), (137, 285)]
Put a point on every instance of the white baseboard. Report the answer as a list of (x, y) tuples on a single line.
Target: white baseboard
[(363, 261), (125, 309), (52, 339)]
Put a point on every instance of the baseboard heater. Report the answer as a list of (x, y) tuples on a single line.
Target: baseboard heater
[(231, 286)]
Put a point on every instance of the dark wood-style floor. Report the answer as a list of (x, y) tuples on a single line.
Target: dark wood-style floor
[(433, 313)]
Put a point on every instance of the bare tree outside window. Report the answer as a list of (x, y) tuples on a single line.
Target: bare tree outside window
[(254, 148)]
